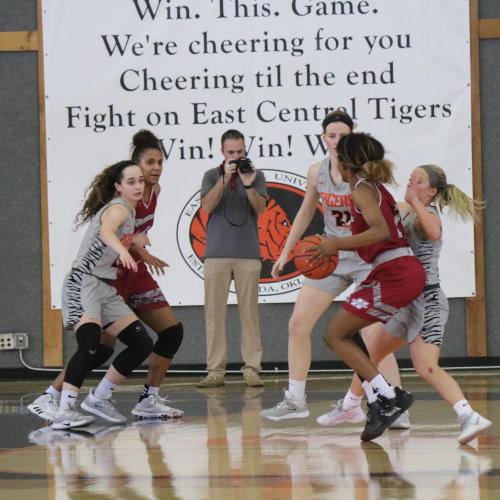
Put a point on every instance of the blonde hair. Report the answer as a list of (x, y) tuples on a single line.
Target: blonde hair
[(364, 155), (449, 195)]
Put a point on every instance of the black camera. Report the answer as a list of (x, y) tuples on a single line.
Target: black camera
[(244, 165)]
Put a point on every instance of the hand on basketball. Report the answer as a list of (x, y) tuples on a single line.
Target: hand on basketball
[(279, 265), (127, 261), (323, 251)]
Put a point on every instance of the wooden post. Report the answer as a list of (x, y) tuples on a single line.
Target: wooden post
[(52, 322), (475, 306)]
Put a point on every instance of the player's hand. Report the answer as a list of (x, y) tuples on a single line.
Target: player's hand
[(324, 250), (411, 195), (141, 240), (279, 265), (154, 264), (127, 261)]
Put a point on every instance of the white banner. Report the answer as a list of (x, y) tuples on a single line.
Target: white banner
[(190, 70)]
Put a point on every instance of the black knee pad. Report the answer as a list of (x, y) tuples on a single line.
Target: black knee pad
[(104, 352), (169, 341), (139, 347), (88, 337)]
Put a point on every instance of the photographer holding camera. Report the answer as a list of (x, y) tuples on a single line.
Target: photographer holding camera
[(233, 193)]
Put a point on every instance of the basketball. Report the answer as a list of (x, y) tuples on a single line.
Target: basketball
[(303, 255)]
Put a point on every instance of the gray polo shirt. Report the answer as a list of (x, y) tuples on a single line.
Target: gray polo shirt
[(232, 226)]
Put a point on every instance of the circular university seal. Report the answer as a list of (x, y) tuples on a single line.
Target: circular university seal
[(286, 191)]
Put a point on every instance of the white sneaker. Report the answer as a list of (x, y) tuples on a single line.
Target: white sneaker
[(472, 425), (44, 406), (102, 408), (340, 416), (154, 406), (288, 408), (70, 418), (403, 422)]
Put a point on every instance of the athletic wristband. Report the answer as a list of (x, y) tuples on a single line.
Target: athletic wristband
[(249, 187)]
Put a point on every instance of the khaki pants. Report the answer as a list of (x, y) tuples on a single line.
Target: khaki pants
[(218, 276)]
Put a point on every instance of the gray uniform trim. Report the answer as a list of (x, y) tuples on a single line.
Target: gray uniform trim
[(427, 315), (85, 288)]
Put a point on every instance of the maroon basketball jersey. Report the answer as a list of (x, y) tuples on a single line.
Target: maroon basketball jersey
[(397, 238), (145, 214)]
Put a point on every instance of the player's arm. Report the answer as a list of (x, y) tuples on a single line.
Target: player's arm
[(302, 219), (111, 220), (427, 224), (366, 199)]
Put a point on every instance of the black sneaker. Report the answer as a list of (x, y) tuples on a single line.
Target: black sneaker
[(383, 412)]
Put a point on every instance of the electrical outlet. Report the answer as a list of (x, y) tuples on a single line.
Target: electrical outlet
[(10, 341), (7, 341), (21, 341)]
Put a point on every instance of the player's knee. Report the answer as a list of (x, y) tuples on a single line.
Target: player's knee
[(103, 353), (425, 369), (297, 328), (139, 347), (169, 341), (88, 337)]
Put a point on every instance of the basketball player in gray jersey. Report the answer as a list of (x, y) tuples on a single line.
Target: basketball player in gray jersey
[(421, 324), (90, 303), (324, 183)]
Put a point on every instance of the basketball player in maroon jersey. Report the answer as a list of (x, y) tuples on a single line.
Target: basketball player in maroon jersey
[(142, 293), (397, 277)]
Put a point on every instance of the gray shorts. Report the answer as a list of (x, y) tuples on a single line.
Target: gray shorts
[(350, 269), (86, 294), (425, 316)]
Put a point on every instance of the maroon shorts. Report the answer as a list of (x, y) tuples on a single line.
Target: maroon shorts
[(390, 286), (139, 290)]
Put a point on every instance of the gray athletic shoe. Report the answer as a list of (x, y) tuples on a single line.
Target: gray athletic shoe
[(403, 422), (286, 409), (154, 406), (44, 406), (70, 418), (472, 425), (102, 408)]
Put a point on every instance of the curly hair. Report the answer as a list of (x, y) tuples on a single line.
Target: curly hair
[(142, 140), (364, 155), (101, 191)]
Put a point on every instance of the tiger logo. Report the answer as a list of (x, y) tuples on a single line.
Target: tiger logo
[(285, 191)]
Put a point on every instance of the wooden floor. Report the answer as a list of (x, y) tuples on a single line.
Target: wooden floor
[(223, 450)]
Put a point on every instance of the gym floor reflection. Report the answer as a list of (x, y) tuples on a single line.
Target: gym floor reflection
[(222, 449)]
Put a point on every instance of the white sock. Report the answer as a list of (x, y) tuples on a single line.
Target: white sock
[(67, 398), (351, 400), (153, 390), (105, 389), (297, 388), (462, 408), (382, 387), (370, 395), (52, 391)]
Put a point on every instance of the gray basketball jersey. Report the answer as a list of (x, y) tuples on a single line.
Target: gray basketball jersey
[(336, 201), (426, 251), (94, 256)]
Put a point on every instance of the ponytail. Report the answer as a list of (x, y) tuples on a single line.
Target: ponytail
[(449, 195)]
